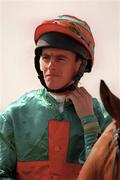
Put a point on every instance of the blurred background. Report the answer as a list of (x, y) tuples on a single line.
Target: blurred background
[(18, 20)]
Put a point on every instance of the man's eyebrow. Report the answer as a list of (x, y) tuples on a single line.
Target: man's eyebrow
[(57, 55), (61, 55), (44, 53)]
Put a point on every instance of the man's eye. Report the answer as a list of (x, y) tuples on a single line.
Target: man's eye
[(61, 59), (45, 57)]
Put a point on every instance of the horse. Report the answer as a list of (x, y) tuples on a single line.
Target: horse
[(103, 162)]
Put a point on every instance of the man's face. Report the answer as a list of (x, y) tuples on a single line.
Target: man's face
[(59, 67)]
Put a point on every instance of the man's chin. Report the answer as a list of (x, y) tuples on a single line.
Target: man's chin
[(53, 86)]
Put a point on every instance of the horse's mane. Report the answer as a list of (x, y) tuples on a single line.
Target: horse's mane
[(110, 102)]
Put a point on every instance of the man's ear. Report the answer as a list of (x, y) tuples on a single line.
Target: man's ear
[(78, 63), (40, 64)]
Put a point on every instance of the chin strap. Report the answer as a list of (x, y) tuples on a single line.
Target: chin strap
[(64, 89)]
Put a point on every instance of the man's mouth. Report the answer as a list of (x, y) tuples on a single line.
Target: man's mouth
[(52, 75)]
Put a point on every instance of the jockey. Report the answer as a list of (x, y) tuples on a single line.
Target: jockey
[(48, 133)]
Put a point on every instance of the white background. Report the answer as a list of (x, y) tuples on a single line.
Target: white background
[(18, 20)]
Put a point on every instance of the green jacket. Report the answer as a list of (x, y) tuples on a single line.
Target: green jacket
[(24, 130)]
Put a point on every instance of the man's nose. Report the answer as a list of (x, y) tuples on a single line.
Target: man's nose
[(51, 63)]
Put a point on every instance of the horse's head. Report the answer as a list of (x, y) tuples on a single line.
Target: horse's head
[(112, 105), (110, 102)]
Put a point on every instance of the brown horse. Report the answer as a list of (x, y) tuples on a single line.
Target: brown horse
[(103, 162)]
